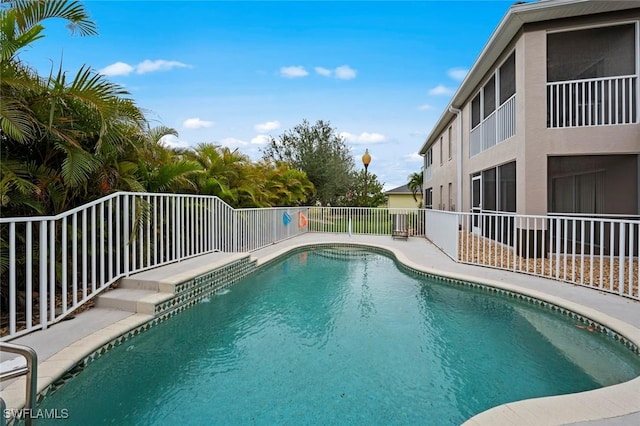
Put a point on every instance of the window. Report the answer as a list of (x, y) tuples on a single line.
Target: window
[(475, 111), (451, 207), (508, 78), (441, 148), (489, 101), (450, 146), (583, 193), (440, 205), (489, 189), (599, 184), (428, 198), (499, 188), (428, 162), (591, 53), (507, 187)]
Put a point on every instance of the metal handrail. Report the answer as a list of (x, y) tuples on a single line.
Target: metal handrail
[(30, 370)]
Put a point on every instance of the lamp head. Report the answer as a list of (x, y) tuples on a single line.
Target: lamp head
[(366, 159)]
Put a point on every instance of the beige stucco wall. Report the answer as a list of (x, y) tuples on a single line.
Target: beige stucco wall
[(543, 142), (445, 173), (504, 152), (533, 141)]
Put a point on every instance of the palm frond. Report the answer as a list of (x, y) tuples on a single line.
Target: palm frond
[(77, 166), (31, 12), (15, 121)]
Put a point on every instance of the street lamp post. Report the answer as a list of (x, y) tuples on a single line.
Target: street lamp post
[(366, 160)]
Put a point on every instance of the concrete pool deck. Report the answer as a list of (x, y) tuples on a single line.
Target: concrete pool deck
[(63, 345)]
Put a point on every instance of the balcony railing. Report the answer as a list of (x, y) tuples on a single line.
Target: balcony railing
[(592, 102), (497, 127)]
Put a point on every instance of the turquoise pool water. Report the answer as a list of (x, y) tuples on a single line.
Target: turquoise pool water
[(320, 337)]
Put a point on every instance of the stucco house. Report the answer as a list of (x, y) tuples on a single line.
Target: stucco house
[(402, 198), (547, 119)]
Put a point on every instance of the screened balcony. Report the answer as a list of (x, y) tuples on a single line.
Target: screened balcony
[(493, 109), (498, 126), (592, 77)]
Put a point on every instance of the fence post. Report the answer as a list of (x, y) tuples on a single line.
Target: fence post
[(125, 218), (43, 274)]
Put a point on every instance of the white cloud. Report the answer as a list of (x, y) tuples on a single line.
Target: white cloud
[(425, 107), (232, 142), (158, 65), (146, 66), (414, 158), (293, 72), (345, 72), (457, 74), (363, 138), (172, 141), (196, 123), (441, 90), (260, 140), (323, 71), (267, 126), (118, 68)]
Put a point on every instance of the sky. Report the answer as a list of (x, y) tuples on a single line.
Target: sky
[(236, 73)]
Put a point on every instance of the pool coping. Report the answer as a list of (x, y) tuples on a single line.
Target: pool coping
[(604, 403)]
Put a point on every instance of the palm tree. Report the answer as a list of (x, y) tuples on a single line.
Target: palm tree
[(60, 134), (415, 185), (21, 25), (74, 126), (165, 169)]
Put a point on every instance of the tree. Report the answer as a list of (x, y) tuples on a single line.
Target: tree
[(165, 169), (321, 153), (365, 191), (286, 186), (21, 25), (415, 186), (56, 132)]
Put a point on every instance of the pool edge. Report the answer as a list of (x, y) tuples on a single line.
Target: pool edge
[(603, 403)]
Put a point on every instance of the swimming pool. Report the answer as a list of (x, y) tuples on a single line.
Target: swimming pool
[(341, 336)]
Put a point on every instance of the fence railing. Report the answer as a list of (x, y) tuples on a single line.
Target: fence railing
[(362, 220), (593, 252), (593, 102), (495, 128), (50, 266)]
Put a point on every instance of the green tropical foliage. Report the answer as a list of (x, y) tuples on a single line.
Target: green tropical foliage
[(66, 139), (320, 152)]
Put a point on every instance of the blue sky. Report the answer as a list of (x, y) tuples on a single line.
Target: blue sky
[(234, 73)]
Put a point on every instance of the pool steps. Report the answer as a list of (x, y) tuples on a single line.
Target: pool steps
[(179, 284)]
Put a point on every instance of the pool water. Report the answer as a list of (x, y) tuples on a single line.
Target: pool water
[(327, 339)]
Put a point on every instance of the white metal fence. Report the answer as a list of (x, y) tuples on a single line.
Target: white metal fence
[(588, 251), (592, 102), (49, 266), (362, 220)]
